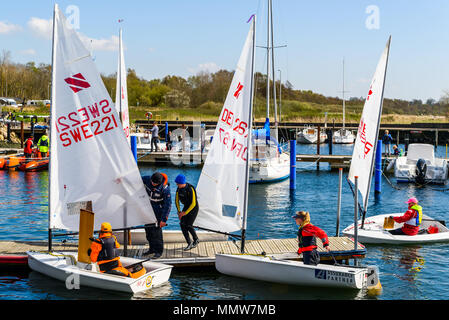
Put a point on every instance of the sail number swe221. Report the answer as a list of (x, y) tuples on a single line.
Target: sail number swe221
[(85, 123), (231, 131)]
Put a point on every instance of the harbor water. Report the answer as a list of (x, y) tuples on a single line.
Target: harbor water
[(414, 272)]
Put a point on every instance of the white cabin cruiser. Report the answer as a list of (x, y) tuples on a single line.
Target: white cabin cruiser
[(144, 142), (309, 135), (421, 166), (268, 163), (343, 136)]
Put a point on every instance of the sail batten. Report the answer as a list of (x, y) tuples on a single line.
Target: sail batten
[(90, 158), (223, 181)]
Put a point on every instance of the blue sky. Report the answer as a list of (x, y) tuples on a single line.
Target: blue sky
[(179, 37)]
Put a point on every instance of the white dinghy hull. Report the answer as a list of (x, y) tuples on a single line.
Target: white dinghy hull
[(373, 231), (264, 268), (60, 266)]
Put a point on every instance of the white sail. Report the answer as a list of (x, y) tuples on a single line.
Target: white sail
[(366, 141), (90, 159), (121, 93), (223, 181)]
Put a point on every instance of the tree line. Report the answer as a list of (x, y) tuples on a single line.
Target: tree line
[(203, 90)]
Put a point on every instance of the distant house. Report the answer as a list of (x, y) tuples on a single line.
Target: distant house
[(38, 103)]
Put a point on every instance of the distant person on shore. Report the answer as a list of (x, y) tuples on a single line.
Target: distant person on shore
[(306, 238), (168, 142), (186, 195), (412, 219), (28, 150), (154, 136), (387, 140)]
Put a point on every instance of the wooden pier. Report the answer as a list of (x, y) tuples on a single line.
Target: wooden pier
[(197, 158), (204, 254)]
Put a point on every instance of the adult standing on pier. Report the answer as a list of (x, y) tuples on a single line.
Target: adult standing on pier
[(158, 189), (43, 145), (28, 150), (186, 194), (154, 136)]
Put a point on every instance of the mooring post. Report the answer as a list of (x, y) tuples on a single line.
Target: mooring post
[(340, 182), (378, 167), (436, 139), (318, 142), (330, 138), (356, 207), (21, 134), (134, 146), (292, 164)]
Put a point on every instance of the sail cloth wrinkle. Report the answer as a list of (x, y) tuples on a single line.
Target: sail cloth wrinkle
[(222, 183), (90, 158), (121, 94), (365, 145)]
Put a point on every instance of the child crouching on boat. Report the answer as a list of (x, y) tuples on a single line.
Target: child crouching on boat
[(104, 251), (306, 238)]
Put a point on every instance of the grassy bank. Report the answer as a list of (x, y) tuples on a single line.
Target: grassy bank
[(292, 111)]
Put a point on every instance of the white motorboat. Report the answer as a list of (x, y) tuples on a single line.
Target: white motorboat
[(64, 266), (309, 135), (270, 269), (114, 190), (374, 232), (421, 166), (343, 136), (144, 142)]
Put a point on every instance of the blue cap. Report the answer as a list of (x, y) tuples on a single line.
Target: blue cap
[(180, 179)]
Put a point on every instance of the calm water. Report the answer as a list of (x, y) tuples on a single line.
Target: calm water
[(409, 272)]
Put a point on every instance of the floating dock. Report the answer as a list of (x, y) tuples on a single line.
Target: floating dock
[(204, 254)]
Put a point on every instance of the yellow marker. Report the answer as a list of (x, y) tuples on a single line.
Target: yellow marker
[(375, 290)]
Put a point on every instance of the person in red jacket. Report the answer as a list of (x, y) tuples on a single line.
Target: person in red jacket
[(306, 238), (28, 150), (412, 219)]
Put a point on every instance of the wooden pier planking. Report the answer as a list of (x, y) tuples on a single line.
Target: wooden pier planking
[(203, 254)]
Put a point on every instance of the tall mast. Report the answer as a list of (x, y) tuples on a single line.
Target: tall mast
[(250, 124), (272, 69), (268, 62), (52, 119), (343, 96)]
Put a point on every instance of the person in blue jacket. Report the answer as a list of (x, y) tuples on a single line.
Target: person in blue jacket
[(158, 189), (387, 140)]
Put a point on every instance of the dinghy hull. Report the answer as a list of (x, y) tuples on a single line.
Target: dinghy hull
[(374, 233), (60, 266), (264, 268)]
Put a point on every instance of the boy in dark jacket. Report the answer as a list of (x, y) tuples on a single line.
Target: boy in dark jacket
[(158, 189)]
